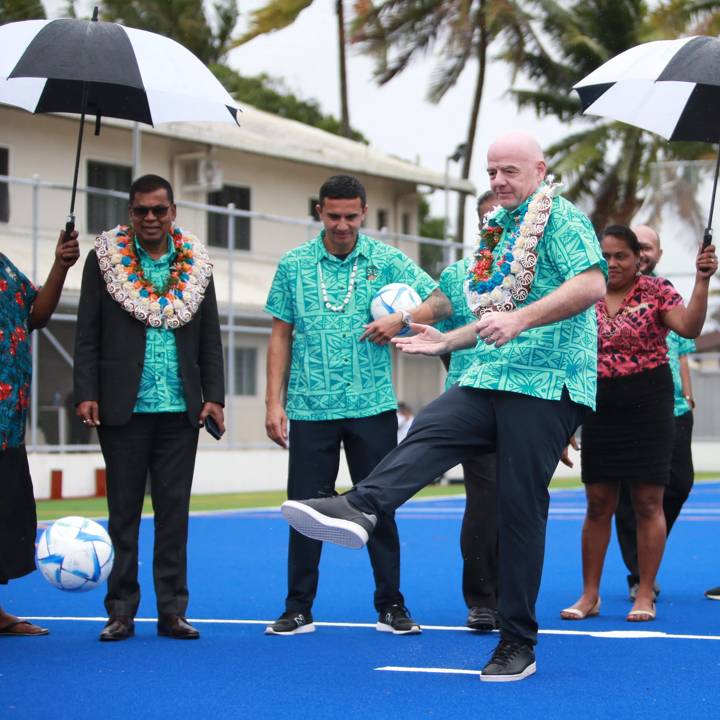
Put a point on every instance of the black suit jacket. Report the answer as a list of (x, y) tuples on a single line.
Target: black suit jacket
[(110, 351)]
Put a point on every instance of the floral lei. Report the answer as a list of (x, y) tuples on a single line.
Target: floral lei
[(497, 284), (170, 306)]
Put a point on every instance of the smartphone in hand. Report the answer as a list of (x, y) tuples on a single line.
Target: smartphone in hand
[(212, 427)]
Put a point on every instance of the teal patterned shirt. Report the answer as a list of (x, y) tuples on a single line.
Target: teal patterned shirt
[(451, 283), (161, 387), (677, 347), (333, 374), (542, 361)]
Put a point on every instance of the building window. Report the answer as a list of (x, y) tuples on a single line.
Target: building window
[(245, 371), (406, 223), (312, 207), (106, 212), (218, 224), (4, 187), (382, 219)]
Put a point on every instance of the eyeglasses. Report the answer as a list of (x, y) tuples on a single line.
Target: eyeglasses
[(141, 211)]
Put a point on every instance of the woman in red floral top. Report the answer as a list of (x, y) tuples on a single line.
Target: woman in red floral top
[(630, 435)]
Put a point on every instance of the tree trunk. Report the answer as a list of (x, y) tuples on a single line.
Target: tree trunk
[(472, 128), (344, 111)]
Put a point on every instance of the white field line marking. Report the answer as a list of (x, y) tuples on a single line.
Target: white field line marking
[(609, 634), (445, 671)]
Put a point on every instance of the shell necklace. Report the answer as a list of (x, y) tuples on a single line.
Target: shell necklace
[(351, 286)]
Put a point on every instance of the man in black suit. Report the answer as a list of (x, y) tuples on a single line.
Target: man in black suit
[(148, 372)]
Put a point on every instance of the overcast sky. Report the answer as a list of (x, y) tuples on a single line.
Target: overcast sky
[(396, 118)]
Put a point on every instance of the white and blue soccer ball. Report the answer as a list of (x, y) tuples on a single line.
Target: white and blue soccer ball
[(391, 298), (75, 554)]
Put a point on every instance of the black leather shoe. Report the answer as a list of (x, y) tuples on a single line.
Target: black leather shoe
[(118, 628), (176, 627)]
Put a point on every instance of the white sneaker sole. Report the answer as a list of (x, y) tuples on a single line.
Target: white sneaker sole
[(312, 524), (383, 627), (310, 627), (529, 670)]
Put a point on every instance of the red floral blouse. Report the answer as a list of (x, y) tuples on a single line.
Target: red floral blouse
[(634, 340)]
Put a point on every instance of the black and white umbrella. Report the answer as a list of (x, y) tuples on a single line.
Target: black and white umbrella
[(669, 87), (106, 70)]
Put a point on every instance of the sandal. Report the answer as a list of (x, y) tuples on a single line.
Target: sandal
[(641, 615), (22, 628), (573, 613)]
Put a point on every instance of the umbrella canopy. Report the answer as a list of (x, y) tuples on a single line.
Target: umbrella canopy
[(131, 74), (81, 66), (669, 87)]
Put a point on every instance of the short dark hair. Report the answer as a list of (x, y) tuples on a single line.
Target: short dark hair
[(150, 183), (342, 187), (482, 199), (623, 232)]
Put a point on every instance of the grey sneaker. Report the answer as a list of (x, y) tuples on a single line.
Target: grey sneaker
[(332, 519), (512, 660), (396, 619), (291, 623), (482, 619)]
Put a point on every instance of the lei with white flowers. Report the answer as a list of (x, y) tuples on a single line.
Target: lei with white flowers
[(170, 306), (497, 281)]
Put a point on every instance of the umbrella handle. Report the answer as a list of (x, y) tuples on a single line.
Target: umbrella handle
[(69, 227)]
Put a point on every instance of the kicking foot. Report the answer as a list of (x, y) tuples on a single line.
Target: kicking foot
[(580, 611), (333, 519)]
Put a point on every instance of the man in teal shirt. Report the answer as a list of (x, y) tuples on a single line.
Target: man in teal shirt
[(478, 534), (682, 473), (148, 373), (537, 274), (340, 384)]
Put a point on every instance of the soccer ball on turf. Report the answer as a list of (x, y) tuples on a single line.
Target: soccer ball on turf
[(75, 554), (391, 298)]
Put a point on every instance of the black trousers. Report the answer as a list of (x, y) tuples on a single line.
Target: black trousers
[(479, 535), (682, 476), (313, 469), (528, 435), (163, 444), (18, 519)]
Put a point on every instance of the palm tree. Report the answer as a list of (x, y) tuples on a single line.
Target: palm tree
[(606, 163), (397, 31), (278, 14), (181, 20)]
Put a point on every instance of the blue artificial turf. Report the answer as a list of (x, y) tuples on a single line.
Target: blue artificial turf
[(237, 571)]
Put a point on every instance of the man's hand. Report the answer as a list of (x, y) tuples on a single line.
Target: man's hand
[(383, 330), (565, 457), (89, 412), (425, 341), (276, 425), (67, 253), (215, 410), (498, 328)]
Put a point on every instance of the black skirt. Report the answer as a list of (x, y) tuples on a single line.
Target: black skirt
[(630, 435), (18, 520)]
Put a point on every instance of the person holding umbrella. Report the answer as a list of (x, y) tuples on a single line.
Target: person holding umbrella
[(635, 390), (148, 372), (23, 308)]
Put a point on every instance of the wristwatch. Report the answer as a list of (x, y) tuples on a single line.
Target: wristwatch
[(406, 318)]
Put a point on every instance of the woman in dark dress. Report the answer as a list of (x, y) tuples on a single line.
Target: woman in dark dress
[(630, 435)]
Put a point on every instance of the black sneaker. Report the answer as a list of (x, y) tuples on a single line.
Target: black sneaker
[(396, 619), (713, 593), (333, 519), (291, 623), (482, 619), (512, 660)]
